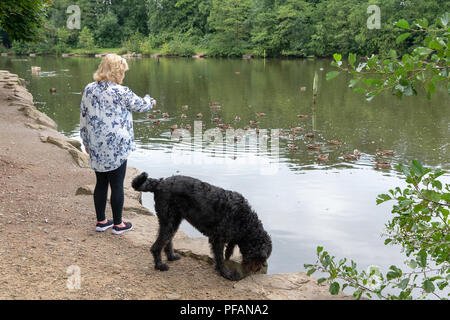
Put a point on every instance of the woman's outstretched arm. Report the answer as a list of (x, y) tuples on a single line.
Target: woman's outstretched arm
[(138, 104)]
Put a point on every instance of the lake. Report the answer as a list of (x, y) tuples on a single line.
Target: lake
[(303, 203)]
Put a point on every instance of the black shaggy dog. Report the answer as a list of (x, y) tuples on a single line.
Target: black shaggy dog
[(225, 217)]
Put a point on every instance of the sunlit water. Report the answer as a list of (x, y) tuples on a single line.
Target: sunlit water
[(301, 202)]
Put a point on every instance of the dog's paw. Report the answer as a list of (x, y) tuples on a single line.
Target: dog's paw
[(174, 257), (162, 267), (139, 181)]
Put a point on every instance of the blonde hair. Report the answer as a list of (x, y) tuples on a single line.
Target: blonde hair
[(112, 68)]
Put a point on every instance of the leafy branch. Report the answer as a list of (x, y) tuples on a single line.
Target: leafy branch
[(420, 226), (425, 66)]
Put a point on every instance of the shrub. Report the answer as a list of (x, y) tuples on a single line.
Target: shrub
[(145, 47), (3, 49), (177, 47), (86, 39), (133, 43)]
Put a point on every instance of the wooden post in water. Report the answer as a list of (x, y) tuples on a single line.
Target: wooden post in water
[(264, 58), (315, 90), (315, 86)]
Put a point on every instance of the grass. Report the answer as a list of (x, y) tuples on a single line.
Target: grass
[(119, 51), (95, 50), (109, 50)]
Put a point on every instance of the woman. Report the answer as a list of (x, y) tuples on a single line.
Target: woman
[(106, 128)]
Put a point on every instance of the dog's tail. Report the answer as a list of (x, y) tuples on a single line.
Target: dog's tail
[(143, 183)]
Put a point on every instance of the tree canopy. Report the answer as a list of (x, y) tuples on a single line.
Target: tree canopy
[(23, 19), (228, 27)]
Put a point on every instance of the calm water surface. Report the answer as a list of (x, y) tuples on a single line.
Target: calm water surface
[(302, 203)]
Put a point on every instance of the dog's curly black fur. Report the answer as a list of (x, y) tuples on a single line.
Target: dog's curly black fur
[(224, 216)]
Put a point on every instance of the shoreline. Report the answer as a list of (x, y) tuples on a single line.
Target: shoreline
[(158, 54), (48, 184)]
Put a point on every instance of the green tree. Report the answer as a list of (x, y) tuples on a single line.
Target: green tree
[(231, 27), (264, 22), (108, 32), (86, 39), (132, 16), (167, 18), (23, 19), (230, 23)]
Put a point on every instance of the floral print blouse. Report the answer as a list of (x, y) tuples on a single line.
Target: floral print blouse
[(106, 123)]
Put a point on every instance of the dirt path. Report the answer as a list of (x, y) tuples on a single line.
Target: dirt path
[(46, 229)]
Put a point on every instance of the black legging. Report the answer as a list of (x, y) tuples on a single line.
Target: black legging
[(115, 180)]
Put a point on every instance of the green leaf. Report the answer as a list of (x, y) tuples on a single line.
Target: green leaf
[(422, 51), (334, 288), (352, 59), (383, 197), (372, 62), (442, 285), (357, 294), (319, 250), (310, 272), (436, 44), (423, 23), (412, 264), (432, 195), (391, 275), (394, 273), (321, 280), (331, 75), (402, 285), (402, 23), (417, 167), (393, 54), (337, 57), (422, 259), (402, 37), (428, 286), (437, 184), (446, 197), (430, 87)]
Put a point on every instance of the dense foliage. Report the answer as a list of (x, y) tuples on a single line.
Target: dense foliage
[(22, 19), (423, 67), (421, 227), (235, 27)]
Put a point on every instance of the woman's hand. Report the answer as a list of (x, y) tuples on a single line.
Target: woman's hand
[(87, 150), (154, 103)]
